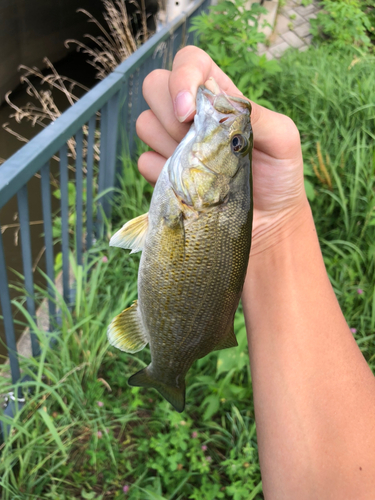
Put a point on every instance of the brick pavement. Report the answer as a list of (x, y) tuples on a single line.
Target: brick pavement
[(292, 29)]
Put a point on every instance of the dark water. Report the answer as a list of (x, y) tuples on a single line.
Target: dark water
[(75, 67)]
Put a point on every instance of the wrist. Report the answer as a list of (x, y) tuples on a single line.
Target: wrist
[(286, 261), (286, 278), (271, 230)]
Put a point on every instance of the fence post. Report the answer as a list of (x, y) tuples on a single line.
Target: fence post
[(107, 167)]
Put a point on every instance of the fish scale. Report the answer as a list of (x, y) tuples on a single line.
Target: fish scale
[(195, 245)]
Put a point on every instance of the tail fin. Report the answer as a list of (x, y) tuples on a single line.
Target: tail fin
[(174, 395)]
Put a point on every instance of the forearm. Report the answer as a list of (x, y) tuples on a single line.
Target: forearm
[(314, 393)]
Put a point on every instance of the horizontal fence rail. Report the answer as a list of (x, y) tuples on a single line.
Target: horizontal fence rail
[(86, 139)]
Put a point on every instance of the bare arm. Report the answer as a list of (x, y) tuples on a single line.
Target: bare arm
[(314, 393)]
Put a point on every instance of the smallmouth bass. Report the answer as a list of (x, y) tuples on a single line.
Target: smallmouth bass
[(195, 243)]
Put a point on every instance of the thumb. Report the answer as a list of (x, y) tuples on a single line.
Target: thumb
[(274, 134)]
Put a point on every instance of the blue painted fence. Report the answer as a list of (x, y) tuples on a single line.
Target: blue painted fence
[(114, 102)]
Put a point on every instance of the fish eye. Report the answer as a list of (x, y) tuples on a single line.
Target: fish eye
[(239, 143)]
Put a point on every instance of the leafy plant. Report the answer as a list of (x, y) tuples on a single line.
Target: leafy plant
[(368, 7), (341, 23), (229, 34)]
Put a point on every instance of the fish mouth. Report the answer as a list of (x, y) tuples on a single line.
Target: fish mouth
[(221, 101), (218, 108)]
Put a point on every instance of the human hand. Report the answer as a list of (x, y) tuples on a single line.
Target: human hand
[(279, 195)]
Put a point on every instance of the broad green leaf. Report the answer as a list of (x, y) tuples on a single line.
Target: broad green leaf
[(235, 357), (213, 404)]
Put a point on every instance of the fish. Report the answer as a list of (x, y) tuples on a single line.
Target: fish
[(195, 242)]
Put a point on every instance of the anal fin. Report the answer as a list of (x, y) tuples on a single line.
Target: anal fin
[(228, 341), (132, 235), (173, 394), (126, 331)]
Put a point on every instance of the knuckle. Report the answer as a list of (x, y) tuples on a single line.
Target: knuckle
[(141, 163), (151, 79), (190, 51), (187, 50), (292, 129), (142, 121)]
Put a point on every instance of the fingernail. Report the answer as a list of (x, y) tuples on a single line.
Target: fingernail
[(184, 105)]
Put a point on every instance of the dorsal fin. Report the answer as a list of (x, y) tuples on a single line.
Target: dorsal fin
[(132, 235), (126, 331)]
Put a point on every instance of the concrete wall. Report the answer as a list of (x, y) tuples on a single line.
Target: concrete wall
[(33, 29)]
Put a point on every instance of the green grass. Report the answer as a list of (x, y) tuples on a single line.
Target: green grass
[(85, 434)]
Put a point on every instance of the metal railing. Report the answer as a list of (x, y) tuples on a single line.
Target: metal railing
[(118, 101)]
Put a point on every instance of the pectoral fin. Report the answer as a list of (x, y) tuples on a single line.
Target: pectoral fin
[(228, 341), (132, 235), (126, 331)]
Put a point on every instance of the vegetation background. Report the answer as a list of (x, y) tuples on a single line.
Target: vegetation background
[(83, 432)]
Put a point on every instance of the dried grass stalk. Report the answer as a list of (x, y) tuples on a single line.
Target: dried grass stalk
[(43, 110), (117, 44), (322, 172)]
